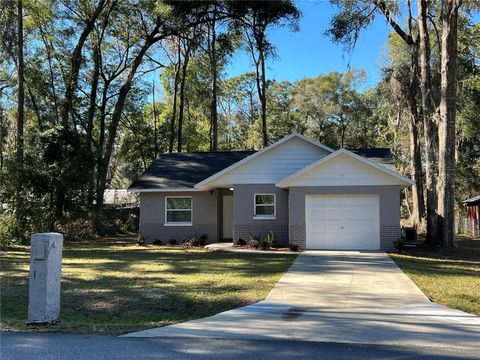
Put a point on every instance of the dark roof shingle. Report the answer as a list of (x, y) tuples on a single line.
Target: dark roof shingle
[(183, 170)]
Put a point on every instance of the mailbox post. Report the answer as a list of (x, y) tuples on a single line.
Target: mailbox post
[(45, 276)]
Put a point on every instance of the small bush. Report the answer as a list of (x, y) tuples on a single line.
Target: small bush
[(172, 242), (253, 243), (399, 244), (272, 240), (240, 242), (293, 246), (194, 241), (265, 245), (203, 239), (140, 239), (157, 242)]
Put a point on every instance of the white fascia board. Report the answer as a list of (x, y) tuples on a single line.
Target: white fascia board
[(203, 185), (284, 182)]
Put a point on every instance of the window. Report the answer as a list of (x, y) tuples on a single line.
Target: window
[(265, 206), (178, 210)]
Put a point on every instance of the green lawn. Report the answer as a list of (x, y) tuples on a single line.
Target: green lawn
[(449, 277), (117, 288)]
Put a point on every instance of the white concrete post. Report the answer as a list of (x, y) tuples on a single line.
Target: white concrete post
[(45, 276)]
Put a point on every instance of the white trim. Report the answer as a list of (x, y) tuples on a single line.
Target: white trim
[(257, 154), (178, 223), (264, 217), (134, 190), (284, 182)]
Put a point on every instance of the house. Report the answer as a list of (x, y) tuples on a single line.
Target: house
[(303, 191), (473, 215)]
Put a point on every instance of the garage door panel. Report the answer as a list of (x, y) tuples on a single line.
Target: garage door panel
[(349, 222)]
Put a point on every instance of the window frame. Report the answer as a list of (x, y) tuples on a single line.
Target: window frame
[(178, 223), (264, 217)]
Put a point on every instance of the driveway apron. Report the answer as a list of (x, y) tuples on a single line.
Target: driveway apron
[(339, 296)]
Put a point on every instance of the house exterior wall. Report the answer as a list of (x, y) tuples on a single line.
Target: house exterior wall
[(389, 210), (204, 217), (273, 165), (244, 222)]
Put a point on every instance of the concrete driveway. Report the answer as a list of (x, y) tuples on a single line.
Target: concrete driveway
[(339, 296)]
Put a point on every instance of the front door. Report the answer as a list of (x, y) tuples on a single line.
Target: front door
[(228, 217)]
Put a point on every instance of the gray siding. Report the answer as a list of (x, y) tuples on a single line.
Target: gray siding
[(244, 223), (389, 210), (204, 217)]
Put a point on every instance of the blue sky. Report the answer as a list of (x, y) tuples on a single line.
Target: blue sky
[(309, 52)]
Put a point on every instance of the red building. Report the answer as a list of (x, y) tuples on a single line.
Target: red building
[(473, 215)]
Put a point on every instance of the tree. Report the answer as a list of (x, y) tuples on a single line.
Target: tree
[(346, 25), (256, 18), (20, 107), (446, 131)]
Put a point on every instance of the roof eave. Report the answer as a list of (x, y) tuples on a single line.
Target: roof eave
[(202, 185), (284, 183)]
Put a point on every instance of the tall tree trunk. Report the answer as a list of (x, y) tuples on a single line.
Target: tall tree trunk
[(418, 208), (181, 109), (93, 96), (102, 171), (213, 65), (429, 128), (76, 61), (155, 126), (175, 96), (446, 129), (21, 87), (418, 201), (263, 99), (20, 118), (91, 114)]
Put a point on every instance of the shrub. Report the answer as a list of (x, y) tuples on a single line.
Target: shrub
[(254, 241), (399, 244), (265, 245), (157, 242), (76, 229), (293, 246), (240, 242), (140, 239), (194, 241), (172, 242), (272, 240), (203, 239)]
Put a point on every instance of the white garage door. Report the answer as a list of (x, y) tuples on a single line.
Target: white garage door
[(344, 222)]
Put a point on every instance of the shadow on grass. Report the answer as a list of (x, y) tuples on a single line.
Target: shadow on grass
[(120, 289)]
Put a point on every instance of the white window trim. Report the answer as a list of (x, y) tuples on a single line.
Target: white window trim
[(177, 223), (264, 217)]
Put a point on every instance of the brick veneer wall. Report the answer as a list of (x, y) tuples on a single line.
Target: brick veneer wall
[(297, 234), (154, 231), (243, 231), (388, 234)]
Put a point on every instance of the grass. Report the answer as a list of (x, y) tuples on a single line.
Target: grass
[(117, 288), (448, 277)]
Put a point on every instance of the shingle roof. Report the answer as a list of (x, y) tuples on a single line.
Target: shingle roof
[(381, 155), (184, 170), (473, 201)]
